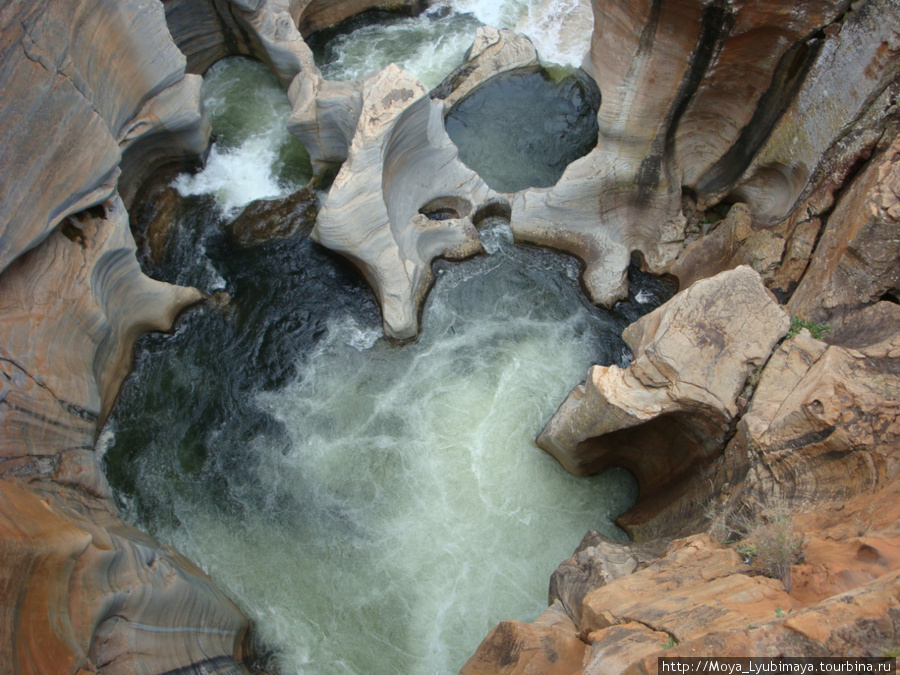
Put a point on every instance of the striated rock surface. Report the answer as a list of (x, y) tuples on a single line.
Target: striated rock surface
[(667, 415), (823, 424), (682, 107), (69, 112), (853, 76), (494, 51), (401, 199), (858, 257), (95, 96)]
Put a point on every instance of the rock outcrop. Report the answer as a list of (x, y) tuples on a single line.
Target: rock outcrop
[(666, 416), (784, 111), (402, 198), (693, 99), (95, 96)]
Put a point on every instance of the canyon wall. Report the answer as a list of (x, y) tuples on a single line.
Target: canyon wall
[(782, 115), (765, 152)]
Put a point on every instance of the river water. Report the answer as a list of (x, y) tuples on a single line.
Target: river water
[(373, 508)]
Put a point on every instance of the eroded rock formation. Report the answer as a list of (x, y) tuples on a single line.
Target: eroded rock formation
[(802, 141), (82, 120), (666, 417), (402, 198), (785, 110)]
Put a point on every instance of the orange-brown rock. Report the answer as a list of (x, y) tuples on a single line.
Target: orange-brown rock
[(84, 590), (857, 260), (549, 646), (95, 95), (667, 415), (823, 424), (734, 242), (69, 113)]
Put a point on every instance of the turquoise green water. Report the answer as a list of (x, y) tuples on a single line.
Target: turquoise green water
[(373, 508)]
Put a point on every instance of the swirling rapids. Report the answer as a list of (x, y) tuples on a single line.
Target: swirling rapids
[(374, 508)]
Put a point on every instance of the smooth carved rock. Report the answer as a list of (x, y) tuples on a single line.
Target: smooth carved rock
[(493, 52), (82, 589), (69, 111), (402, 168), (324, 118), (679, 95), (95, 93), (72, 309), (668, 413)]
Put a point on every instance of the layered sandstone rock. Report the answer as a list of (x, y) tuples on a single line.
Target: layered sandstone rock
[(69, 112), (95, 96), (822, 425), (683, 106), (667, 415), (858, 257), (492, 53)]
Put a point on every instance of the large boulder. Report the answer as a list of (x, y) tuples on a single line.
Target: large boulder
[(667, 415)]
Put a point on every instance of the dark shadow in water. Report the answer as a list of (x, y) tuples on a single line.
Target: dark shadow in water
[(522, 130)]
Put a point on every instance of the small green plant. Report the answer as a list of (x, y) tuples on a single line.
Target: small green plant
[(747, 551), (670, 643), (817, 330), (891, 652), (778, 547), (780, 613)]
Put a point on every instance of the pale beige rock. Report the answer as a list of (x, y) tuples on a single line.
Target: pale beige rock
[(494, 51), (401, 167), (680, 100)]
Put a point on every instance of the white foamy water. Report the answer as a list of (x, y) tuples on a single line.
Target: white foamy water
[(431, 45), (405, 509), (410, 510), (255, 157)]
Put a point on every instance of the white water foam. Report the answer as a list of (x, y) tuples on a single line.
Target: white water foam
[(236, 177), (410, 512), (559, 29), (431, 45), (249, 111)]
